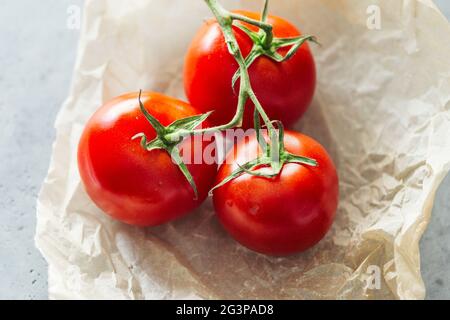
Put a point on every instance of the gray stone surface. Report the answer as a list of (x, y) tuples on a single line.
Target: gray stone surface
[(37, 53)]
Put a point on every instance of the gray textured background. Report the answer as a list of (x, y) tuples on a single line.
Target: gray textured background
[(37, 53)]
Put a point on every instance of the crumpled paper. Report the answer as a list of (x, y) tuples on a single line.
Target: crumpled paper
[(382, 109)]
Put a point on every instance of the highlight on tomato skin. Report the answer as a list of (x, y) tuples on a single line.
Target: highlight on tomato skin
[(284, 215), (284, 89), (129, 183)]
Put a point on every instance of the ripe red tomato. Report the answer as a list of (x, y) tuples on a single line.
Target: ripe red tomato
[(284, 89), (286, 214), (131, 184)]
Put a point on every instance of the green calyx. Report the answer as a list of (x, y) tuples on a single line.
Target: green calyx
[(258, 166), (273, 156), (265, 44), (168, 138)]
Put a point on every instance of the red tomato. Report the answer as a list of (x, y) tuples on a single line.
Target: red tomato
[(131, 184), (286, 214), (285, 89)]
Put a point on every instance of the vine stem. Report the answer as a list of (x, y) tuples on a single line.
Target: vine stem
[(225, 19), (267, 28)]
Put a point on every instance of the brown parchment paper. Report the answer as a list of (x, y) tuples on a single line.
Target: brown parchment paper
[(382, 109)]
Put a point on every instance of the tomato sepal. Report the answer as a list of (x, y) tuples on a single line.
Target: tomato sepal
[(261, 48), (149, 146), (167, 138), (273, 156), (189, 123)]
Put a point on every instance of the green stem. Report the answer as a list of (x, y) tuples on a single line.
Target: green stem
[(265, 11), (260, 24), (225, 20), (236, 121), (245, 90), (269, 35), (260, 110), (267, 28)]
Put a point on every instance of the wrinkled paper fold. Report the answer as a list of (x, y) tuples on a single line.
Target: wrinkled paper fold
[(382, 109)]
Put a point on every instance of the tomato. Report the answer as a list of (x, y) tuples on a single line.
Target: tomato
[(284, 89), (131, 184), (282, 215)]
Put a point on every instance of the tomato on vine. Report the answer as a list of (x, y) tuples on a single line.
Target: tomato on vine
[(281, 69), (136, 181), (282, 215)]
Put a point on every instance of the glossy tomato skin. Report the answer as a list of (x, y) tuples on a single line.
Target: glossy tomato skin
[(284, 215), (284, 89), (135, 186)]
